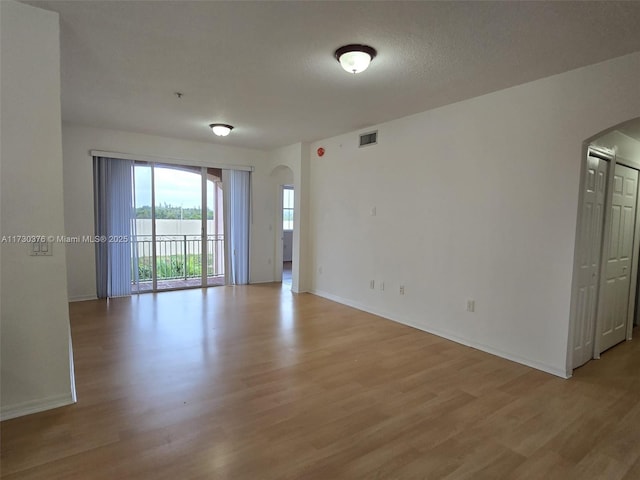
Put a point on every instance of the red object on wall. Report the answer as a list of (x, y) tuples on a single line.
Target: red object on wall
[(320, 151)]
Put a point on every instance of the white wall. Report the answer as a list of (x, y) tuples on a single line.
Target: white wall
[(475, 200), (36, 369), (78, 185)]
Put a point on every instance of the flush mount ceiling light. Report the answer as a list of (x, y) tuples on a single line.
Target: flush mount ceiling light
[(221, 129), (355, 58)]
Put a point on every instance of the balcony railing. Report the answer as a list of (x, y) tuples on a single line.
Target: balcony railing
[(177, 257)]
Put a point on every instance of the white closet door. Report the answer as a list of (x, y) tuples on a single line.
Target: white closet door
[(616, 289), (595, 185)]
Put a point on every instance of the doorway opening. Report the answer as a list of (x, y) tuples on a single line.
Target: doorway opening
[(605, 280), (287, 232), (286, 227)]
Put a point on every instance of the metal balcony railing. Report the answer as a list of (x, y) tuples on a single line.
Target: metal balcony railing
[(177, 257)]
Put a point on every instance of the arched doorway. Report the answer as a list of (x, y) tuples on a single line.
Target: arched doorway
[(284, 192), (605, 280)]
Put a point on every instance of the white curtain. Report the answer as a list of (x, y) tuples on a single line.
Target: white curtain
[(113, 192), (237, 200)]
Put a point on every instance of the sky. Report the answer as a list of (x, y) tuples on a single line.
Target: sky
[(174, 187)]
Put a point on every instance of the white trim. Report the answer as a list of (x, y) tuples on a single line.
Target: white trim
[(82, 298), (35, 406), (204, 208), (278, 231), (607, 152), (154, 237), (447, 335), (173, 161), (72, 370)]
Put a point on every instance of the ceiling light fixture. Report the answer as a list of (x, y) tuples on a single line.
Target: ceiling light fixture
[(221, 129), (355, 58)]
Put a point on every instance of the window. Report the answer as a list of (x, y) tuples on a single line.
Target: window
[(287, 208)]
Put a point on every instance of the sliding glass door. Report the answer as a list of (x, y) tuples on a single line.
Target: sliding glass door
[(178, 240), (178, 227), (142, 248)]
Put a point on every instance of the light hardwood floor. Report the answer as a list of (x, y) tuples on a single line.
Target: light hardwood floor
[(257, 383)]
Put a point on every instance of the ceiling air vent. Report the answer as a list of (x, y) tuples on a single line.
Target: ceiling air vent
[(370, 138)]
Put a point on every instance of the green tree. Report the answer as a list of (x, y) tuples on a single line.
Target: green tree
[(170, 212)]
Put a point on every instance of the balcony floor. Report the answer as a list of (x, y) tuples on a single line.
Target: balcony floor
[(177, 284)]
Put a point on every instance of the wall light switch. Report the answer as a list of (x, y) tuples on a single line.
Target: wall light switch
[(471, 305), (41, 249)]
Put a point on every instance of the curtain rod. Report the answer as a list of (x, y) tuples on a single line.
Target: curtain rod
[(169, 160)]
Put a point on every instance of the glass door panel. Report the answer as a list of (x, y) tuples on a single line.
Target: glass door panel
[(215, 229), (141, 241), (178, 226)]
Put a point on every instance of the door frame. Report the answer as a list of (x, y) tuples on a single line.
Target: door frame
[(203, 173), (279, 253)]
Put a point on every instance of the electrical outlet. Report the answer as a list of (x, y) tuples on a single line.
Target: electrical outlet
[(381, 286), (320, 270), (372, 284), (401, 289), (471, 305)]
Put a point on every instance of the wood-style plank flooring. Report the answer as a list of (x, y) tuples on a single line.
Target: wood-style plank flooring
[(256, 383)]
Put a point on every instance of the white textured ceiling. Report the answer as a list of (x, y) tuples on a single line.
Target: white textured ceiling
[(268, 67)]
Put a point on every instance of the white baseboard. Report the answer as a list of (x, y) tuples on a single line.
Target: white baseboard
[(35, 406), (448, 335), (82, 298)]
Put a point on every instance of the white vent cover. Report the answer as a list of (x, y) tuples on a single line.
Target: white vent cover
[(370, 138)]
